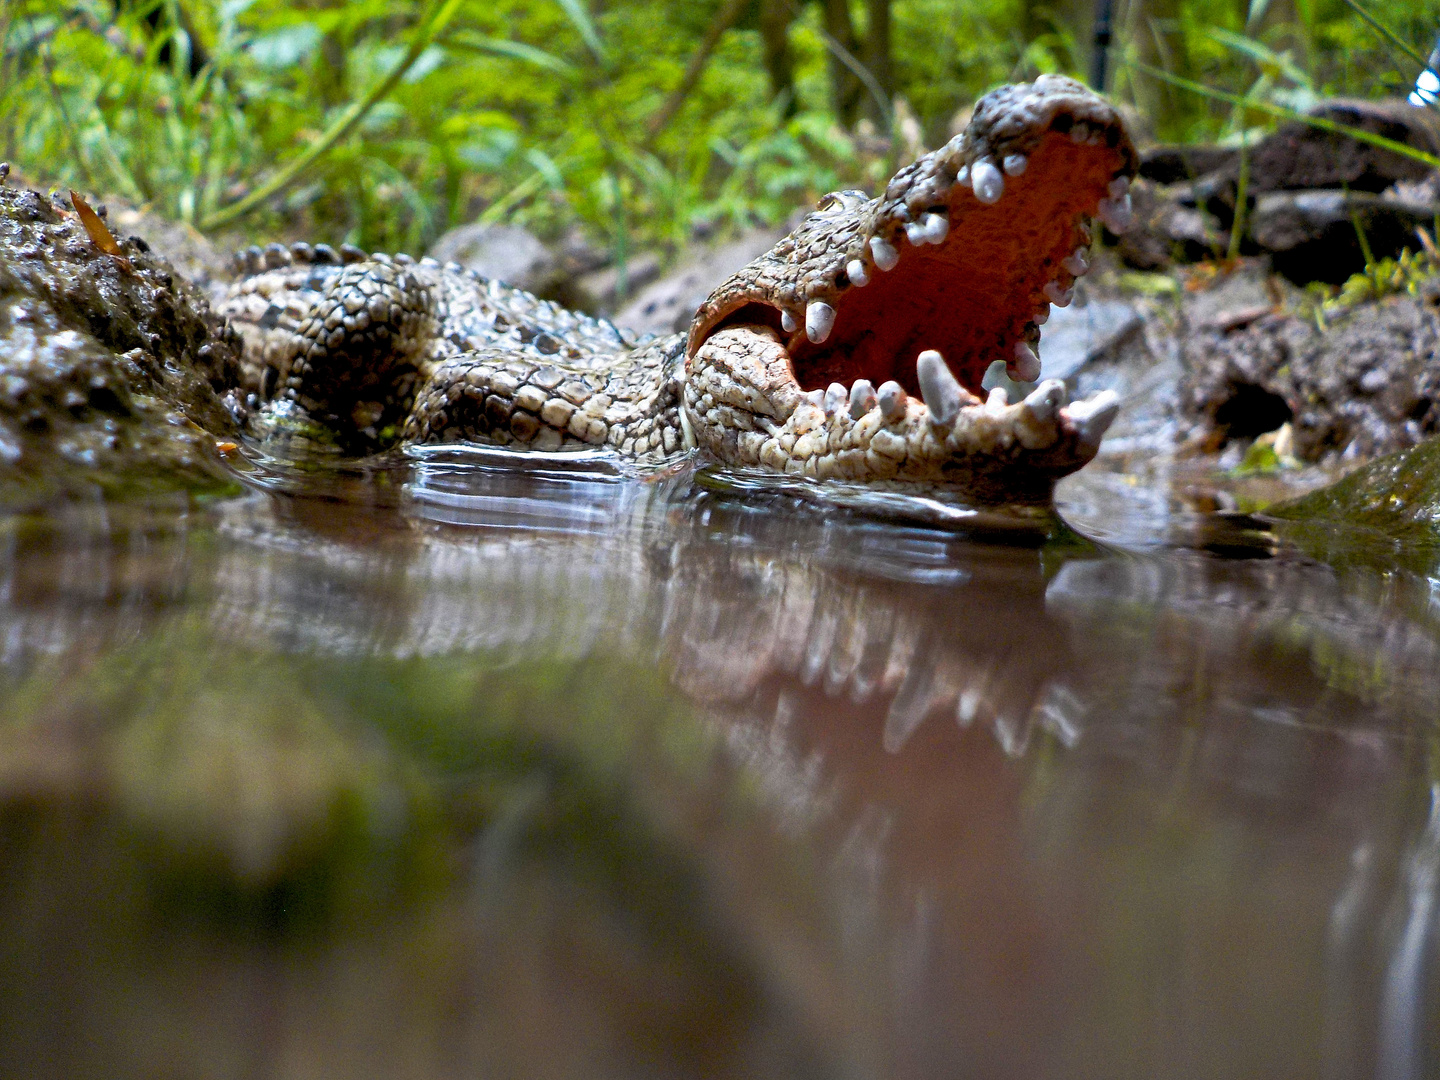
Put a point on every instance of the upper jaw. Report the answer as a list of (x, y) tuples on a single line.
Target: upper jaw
[(963, 253)]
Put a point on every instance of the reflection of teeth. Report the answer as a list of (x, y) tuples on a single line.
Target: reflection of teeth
[(1119, 186), (939, 389), (886, 256), (787, 322), (997, 400), (1057, 294), (1025, 366), (855, 271), (1077, 263), (936, 226), (1045, 400), (819, 321), (862, 398), (1014, 164), (891, 399), (1117, 214), (989, 185), (1041, 317), (1093, 416), (835, 398)]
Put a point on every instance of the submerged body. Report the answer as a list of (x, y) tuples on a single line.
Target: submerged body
[(854, 349)]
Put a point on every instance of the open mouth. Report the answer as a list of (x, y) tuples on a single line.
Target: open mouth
[(956, 266)]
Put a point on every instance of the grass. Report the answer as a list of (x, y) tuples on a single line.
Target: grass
[(385, 122)]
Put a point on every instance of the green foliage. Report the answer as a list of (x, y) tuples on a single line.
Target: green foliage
[(537, 110)]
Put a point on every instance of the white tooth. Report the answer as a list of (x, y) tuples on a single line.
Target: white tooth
[(862, 398), (1077, 263), (1057, 294), (939, 388), (997, 400), (1117, 214), (885, 253), (855, 271), (936, 226), (787, 322), (989, 185), (891, 398), (963, 176), (1015, 164), (1045, 400), (1041, 317), (835, 398), (816, 398), (915, 233), (1119, 186), (1093, 416), (1025, 365), (1079, 133), (819, 321)]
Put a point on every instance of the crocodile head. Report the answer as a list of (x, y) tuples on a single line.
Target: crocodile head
[(856, 347)]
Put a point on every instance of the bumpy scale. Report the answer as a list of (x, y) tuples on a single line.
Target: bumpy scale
[(855, 348)]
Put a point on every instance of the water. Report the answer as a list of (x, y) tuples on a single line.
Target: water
[(436, 768)]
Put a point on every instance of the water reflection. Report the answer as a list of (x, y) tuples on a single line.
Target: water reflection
[(1070, 811)]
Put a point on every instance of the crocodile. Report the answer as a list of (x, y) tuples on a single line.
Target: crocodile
[(855, 349)]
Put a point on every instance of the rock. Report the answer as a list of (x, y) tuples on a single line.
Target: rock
[(668, 305), (1168, 228), (1312, 237), (1075, 335), (1368, 384), (1298, 156), (1175, 164), (505, 253), (1398, 496), (601, 292)]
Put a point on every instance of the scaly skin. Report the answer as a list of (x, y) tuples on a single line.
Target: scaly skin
[(855, 348)]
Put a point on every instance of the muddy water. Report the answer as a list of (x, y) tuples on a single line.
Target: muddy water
[(441, 769)]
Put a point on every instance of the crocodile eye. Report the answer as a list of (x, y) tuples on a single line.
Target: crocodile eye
[(830, 201)]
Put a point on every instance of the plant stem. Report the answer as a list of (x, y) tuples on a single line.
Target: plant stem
[(725, 18), (1242, 195), (1385, 32), (342, 126)]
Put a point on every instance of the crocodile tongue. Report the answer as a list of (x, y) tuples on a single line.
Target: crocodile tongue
[(961, 256)]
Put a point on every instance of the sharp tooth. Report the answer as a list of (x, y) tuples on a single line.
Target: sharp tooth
[(1119, 186), (915, 233), (835, 398), (1042, 316), (819, 321), (816, 398), (1077, 263), (1046, 399), (1025, 365), (1117, 214), (855, 271), (939, 388), (963, 176), (997, 400), (1093, 416), (891, 398), (862, 398), (936, 226), (885, 253), (1057, 294), (1014, 164), (788, 323), (985, 178)]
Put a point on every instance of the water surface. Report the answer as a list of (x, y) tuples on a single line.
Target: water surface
[(435, 768)]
